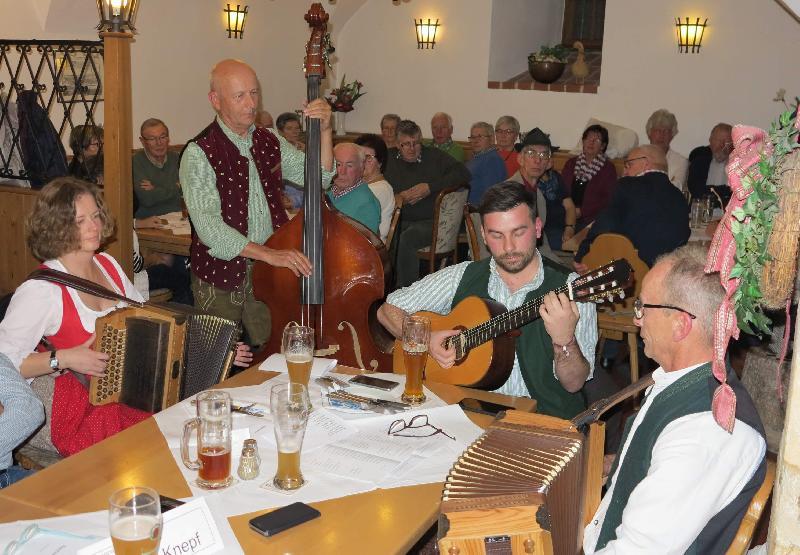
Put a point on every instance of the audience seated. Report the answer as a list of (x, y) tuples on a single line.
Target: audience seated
[(21, 413), (645, 208), (86, 141), (590, 177), (442, 131), (417, 173), (349, 193), (264, 119), (155, 172), (707, 164), (389, 124), (290, 128), (536, 173), (375, 154), (661, 128), (506, 132), (485, 166), (68, 224)]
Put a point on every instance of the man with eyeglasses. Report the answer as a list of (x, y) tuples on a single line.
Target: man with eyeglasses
[(485, 166), (646, 208), (680, 481), (417, 173), (442, 131), (707, 164), (155, 172), (506, 132)]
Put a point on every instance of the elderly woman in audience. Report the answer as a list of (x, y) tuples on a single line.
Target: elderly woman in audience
[(68, 224), (506, 132), (661, 128), (486, 166), (288, 124), (389, 123), (590, 178), (85, 141), (375, 153)]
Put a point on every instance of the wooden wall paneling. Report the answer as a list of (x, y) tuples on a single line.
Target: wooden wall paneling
[(16, 261)]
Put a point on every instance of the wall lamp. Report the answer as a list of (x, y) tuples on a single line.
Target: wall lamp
[(690, 35), (235, 18), (426, 32), (117, 15)]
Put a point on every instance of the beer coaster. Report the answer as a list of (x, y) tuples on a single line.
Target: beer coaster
[(268, 485), (234, 481)]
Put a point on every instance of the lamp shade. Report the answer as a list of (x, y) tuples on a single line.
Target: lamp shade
[(117, 15), (690, 34), (426, 32), (235, 18)]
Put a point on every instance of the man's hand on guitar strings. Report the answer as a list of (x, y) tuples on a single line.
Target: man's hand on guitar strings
[(243, 356), (560, 316), (445, 356)]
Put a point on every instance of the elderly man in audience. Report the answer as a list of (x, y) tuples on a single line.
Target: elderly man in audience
[(389, 124), (264, 119), (229, 229), (21, 412), (707, 164), (646, 208), (155, 172), (417, 174), (506, 132), (442, 131), (350, 194), (661, 128), (375, 155), (486, 166), (681, 483), (536, 173)]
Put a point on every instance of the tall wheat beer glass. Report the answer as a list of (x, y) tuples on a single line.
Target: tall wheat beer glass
[(416, 335), (290, 407), (298, 348), (134, 518), (213, 427)]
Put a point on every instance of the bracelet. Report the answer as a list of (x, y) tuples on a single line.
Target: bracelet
[(563, 348)]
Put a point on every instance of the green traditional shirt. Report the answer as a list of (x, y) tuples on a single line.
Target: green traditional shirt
[(450, 147)]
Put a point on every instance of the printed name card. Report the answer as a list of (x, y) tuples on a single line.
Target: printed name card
[(188, 529)]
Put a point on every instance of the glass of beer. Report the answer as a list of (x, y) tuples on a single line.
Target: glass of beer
[(134, 518), (298, 348), (416, 335), (213, 427), (290, 407)]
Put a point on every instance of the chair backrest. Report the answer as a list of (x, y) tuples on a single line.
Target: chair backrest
[(393, 226), (610, 246), (472, 222), (744, 535), (447, 215)]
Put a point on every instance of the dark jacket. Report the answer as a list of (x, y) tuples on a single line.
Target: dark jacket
[(699, 162), (42, 152)]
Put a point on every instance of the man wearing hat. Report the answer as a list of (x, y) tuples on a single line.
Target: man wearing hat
[(554, 354), (681, 483), (536, 173)]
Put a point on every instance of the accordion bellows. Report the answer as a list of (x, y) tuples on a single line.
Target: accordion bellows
[(160, 355)]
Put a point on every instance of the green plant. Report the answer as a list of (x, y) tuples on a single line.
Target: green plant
[(557, 53), (343, 97)]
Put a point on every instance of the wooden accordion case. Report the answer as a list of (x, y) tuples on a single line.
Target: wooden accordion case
[(527, 485), (160, 355)]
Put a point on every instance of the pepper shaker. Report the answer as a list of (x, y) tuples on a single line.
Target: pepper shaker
[(249, 461)]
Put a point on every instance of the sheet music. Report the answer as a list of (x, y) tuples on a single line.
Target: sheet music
[(333, 459)]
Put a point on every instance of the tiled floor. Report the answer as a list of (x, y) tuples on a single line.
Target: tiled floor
[(566, 83)]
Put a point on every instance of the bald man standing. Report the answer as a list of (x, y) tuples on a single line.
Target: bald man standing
[(646, 208), (231, 176)]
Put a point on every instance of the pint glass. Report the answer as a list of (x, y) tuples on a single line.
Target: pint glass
[(213, 427), (134, 519), (298, 348), (290, 407), (416, 335)]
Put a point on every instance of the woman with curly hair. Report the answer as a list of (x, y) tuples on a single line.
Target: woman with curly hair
[(68, 225)]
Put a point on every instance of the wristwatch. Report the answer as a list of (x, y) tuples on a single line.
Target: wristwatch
[(53, 361)]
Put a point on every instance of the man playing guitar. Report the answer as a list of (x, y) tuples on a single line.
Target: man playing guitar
[(554, 355)]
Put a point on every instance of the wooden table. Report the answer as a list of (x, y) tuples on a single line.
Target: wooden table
[(380, 521), (163, 240)]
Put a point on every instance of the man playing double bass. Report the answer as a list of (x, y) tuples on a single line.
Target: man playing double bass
[(231, 176), (554, 354)]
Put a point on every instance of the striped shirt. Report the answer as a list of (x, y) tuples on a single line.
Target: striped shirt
[(199, 183), (436, 291), (22, 410)]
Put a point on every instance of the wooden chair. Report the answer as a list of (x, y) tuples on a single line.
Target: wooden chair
[(617, 322), (472, 223), (744, 536), (393, 226), (447, 214)]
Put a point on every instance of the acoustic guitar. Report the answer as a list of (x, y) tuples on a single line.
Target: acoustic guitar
[(486, 345)]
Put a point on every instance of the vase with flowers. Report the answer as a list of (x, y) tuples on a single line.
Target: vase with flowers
[(342, 99)]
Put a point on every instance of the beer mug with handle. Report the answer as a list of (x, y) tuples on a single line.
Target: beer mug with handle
[(213, 427), (290, 407)]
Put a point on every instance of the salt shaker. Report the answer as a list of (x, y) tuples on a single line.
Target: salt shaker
[(248, 463), (254, 444)]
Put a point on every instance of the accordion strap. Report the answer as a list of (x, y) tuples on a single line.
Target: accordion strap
[(80, 284), (599, 407)]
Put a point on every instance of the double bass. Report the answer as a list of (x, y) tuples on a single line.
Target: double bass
[(341, 296)]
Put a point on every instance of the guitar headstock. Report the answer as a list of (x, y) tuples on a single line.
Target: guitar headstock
[(604, 283), (318, 45)]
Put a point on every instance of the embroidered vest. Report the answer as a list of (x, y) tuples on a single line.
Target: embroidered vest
[(233, 183), (534, 348), (689, 395)]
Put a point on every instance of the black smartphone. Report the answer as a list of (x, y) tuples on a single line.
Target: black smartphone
[(371, 381), (482, 407), (282, 519)]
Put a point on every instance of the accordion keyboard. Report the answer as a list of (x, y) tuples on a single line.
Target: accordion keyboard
[(112, 342)]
